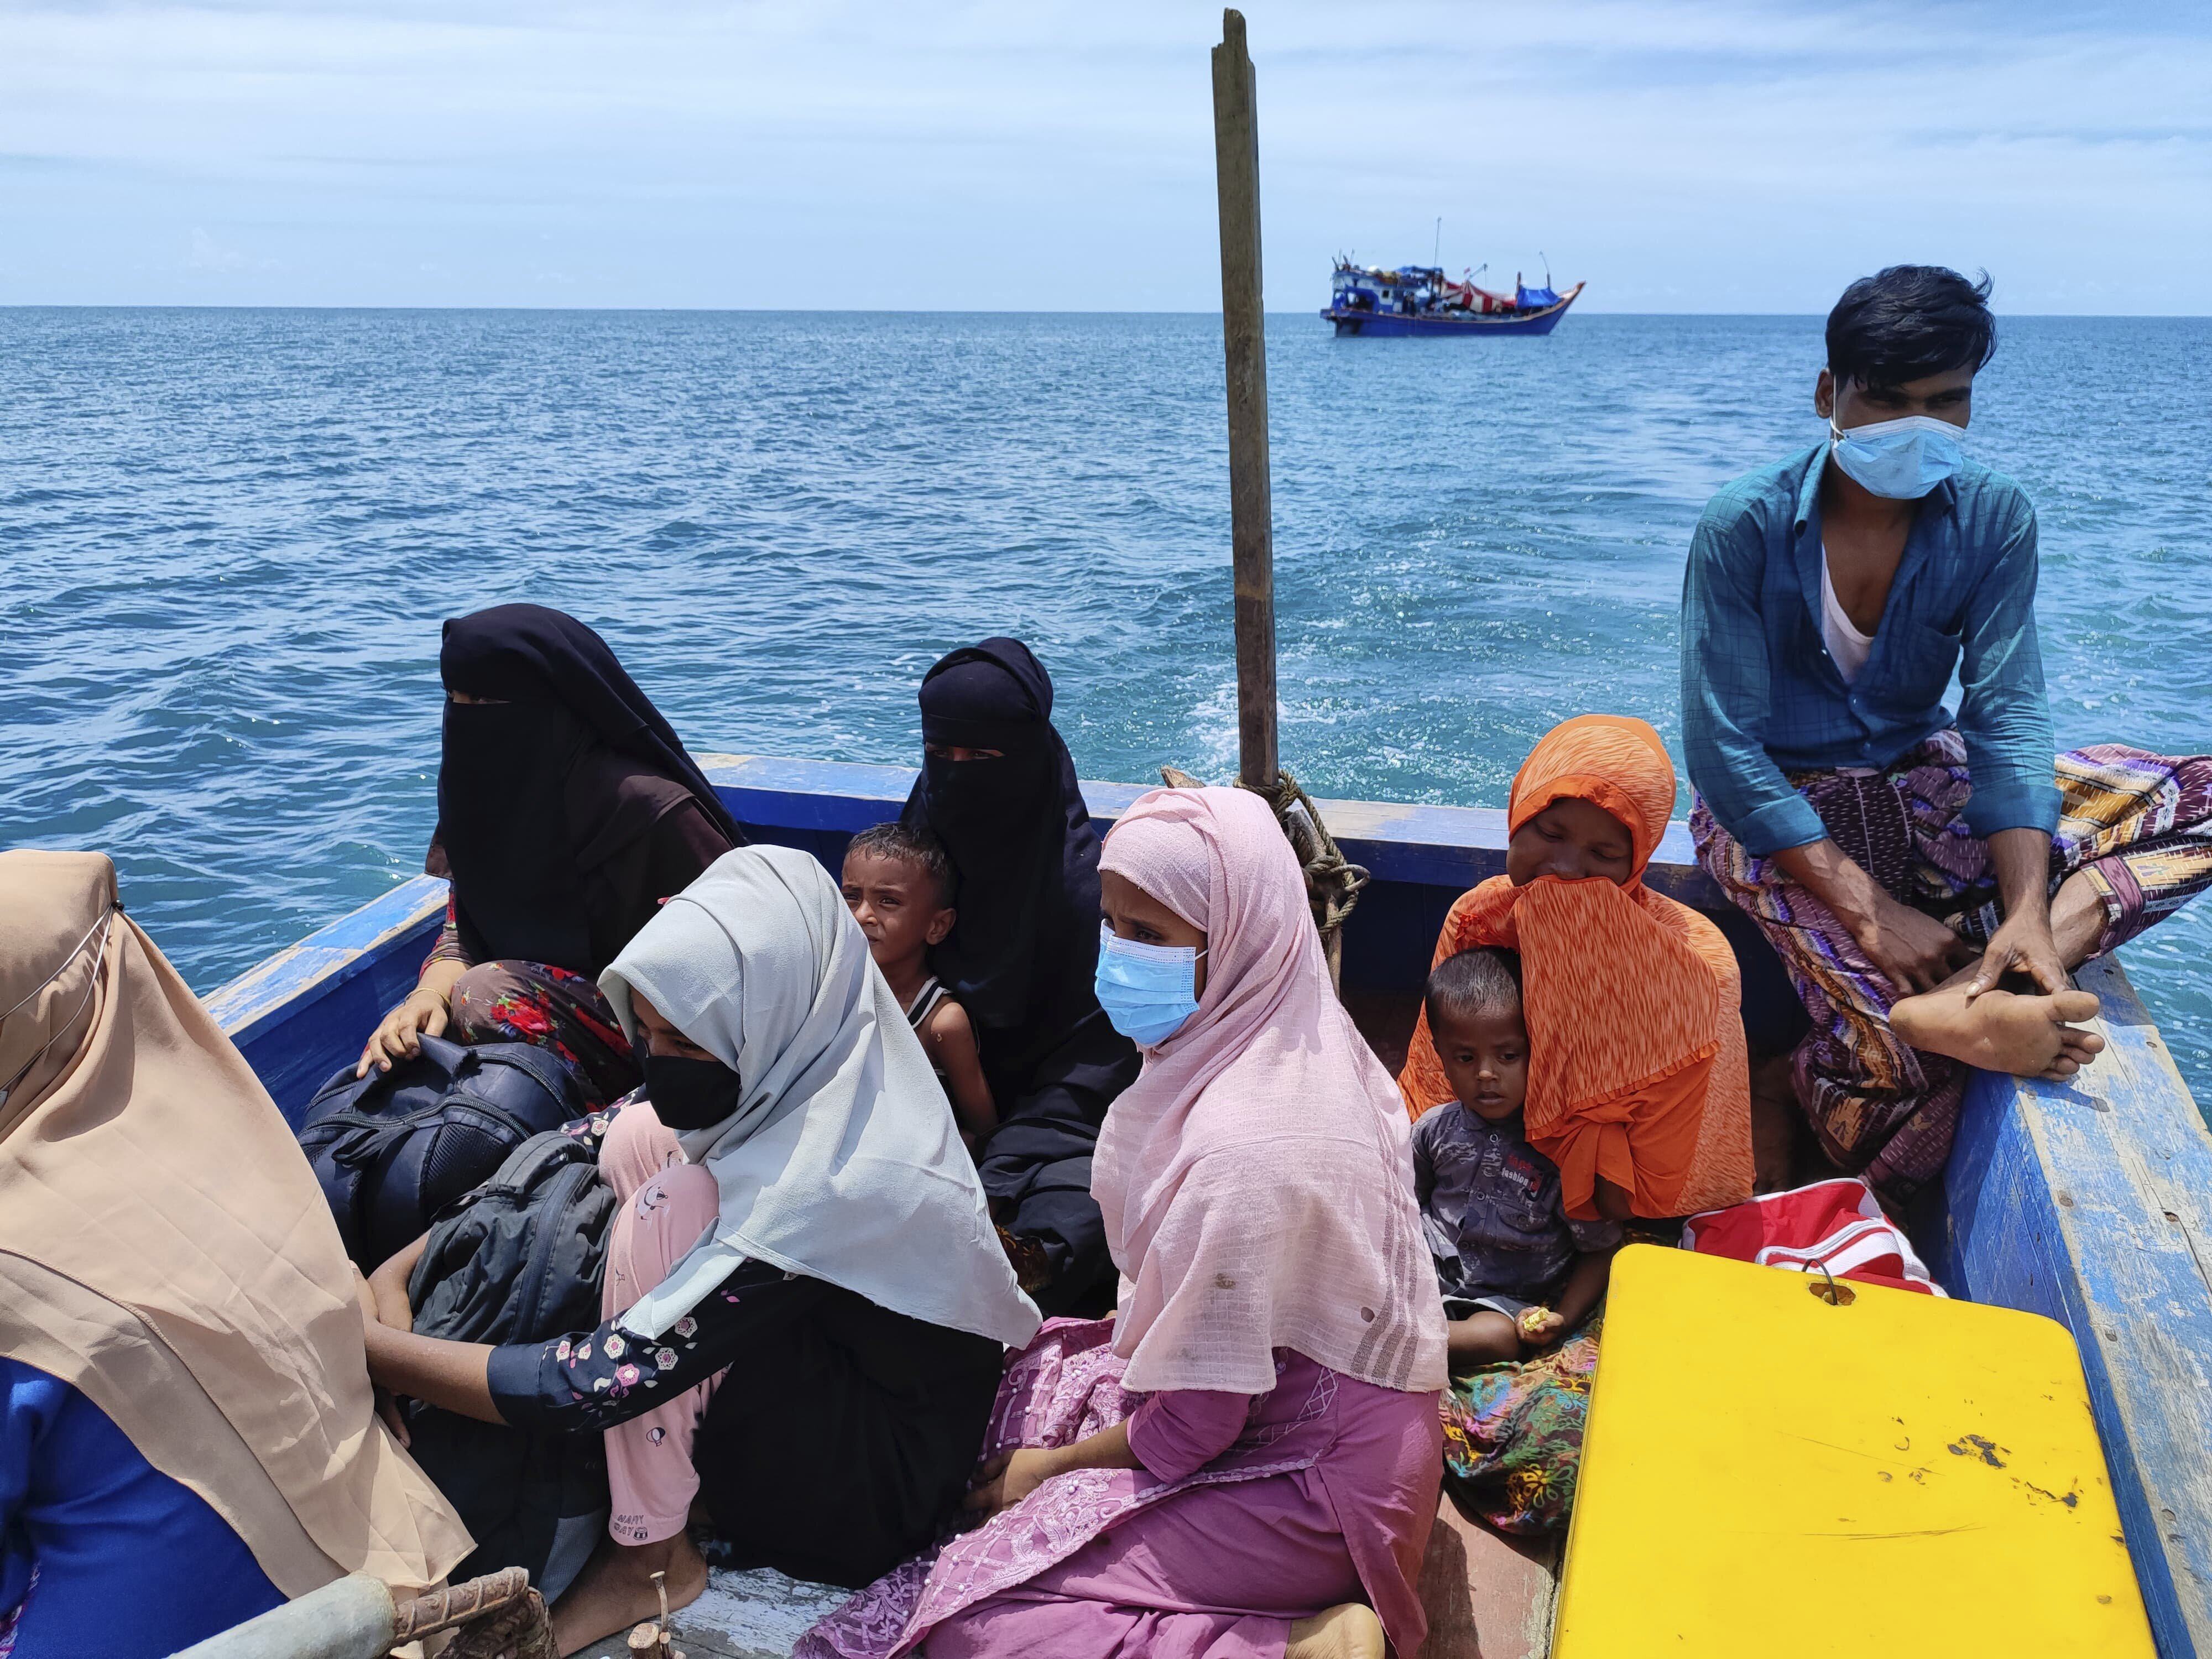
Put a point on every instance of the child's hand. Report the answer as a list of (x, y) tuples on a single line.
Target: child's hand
[(1540, 1327)]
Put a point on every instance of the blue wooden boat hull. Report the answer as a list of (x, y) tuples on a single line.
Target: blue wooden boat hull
[(2091, 1204), (1379, 323)]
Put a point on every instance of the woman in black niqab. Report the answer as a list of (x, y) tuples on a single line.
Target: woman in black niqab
[(567, 809), (1022, 954)]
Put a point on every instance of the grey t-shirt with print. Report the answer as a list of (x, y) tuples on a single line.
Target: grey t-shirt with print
[(1490, 1208)]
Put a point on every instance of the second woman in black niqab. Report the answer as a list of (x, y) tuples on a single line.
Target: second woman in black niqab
[(1022, 957), (567, 809)]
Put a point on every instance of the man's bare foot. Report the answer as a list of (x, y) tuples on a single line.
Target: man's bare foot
[(615, 1591), (1347, 1631), (2001, 1031)]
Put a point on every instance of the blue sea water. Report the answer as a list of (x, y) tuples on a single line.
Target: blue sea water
[(227, 539)]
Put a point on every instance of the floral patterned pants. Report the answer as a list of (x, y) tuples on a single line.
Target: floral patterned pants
[(1513, 1435)]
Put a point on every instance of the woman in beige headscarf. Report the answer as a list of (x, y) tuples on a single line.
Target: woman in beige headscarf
[(187, 1433)]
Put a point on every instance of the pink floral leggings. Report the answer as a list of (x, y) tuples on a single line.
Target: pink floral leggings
[(666, 1204)]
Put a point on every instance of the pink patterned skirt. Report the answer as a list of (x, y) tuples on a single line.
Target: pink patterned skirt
[(1327, 1497)]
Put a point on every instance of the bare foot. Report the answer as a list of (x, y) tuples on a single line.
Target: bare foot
[(2001, 1031), (1347, 1631), (615, 1591)]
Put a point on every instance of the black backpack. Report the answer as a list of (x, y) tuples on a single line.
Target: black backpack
[(519, 1260), (395, 1147)]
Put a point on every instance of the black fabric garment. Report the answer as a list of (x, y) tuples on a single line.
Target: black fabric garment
[(1022, 954), (623, 891), (689, 1093), (502, 819), (569, 765), (1020, 957), (839, 1441), (1035, 1167)]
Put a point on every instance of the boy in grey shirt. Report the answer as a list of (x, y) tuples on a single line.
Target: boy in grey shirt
[(1517, 1273)]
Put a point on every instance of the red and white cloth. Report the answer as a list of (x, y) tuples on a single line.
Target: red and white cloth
[(1837, 1226)]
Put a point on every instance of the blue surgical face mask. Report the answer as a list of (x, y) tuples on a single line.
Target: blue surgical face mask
[(1148, 991), (1902, 459)]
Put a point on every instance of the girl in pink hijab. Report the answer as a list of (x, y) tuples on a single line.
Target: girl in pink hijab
[(1243, 1464)]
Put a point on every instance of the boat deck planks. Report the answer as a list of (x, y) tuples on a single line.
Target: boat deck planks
[(1487, 1596), (757, 1613), (2092, 1204)]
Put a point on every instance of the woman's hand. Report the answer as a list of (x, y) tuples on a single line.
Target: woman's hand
[(388, 1285), (367, 1298), (1005, 1479), (400, 1035)]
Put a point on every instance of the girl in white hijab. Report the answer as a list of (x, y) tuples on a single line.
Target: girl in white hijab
[(796, 1200)]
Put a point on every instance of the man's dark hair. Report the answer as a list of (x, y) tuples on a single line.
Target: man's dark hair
[(1909, 321), (909, 844), (1483, 981)]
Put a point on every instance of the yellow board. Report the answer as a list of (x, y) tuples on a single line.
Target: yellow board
[(1766, 1474)]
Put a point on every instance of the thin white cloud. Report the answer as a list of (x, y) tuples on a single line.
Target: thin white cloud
[(1040, 156), (205, 253)]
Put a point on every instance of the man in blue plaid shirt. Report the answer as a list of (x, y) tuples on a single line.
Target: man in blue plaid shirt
[(1927, 879)]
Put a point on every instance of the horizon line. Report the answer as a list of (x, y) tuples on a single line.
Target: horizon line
[(932, 311)]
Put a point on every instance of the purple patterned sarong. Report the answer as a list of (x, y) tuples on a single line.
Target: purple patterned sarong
[(2136, 826), (1101, 1562)]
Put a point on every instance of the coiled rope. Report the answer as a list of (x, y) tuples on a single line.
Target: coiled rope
[(499, 1616), (1333, 881)]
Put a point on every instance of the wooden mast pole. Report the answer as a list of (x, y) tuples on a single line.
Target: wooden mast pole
[(1243, 336)]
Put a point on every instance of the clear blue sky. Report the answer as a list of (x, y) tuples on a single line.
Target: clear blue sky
[(1682, 156)]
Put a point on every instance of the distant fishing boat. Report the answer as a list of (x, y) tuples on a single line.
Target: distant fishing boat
[(1422, 299)]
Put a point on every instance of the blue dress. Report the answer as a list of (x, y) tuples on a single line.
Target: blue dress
[(99, 1552)]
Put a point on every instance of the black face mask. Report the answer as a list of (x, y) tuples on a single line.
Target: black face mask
[(690, 1094)]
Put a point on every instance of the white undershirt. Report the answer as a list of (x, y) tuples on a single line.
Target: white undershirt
[(1845, 643)]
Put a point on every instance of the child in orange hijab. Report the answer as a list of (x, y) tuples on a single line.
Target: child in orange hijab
[(1638, 1086)]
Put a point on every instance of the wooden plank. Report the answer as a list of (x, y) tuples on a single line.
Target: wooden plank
[(264, 991), (2092, 1203), (757, 1613), (1244, 349), (1487, 1596)]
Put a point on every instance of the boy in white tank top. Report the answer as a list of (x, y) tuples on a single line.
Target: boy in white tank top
[(898, 885)]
